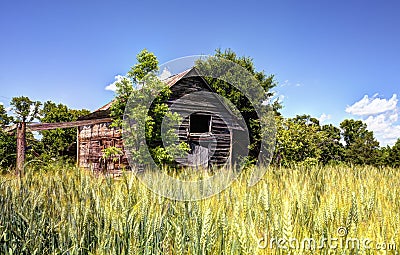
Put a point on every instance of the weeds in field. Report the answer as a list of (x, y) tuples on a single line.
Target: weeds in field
[(65, 210)]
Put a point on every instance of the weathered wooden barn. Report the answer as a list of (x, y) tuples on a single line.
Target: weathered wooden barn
[(208, 128), (93, 138)]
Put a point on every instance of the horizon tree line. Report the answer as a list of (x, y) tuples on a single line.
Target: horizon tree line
[(299, 140)]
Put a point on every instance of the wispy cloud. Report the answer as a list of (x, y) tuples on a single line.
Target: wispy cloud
[(380, 115), (288, 83), (113, 86)]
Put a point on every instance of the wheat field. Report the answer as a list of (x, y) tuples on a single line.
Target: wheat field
[(64, 210)]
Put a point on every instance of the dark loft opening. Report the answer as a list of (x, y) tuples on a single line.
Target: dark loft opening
[(199, 123)]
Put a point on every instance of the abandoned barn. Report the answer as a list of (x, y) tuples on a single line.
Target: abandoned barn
[(208, 128)]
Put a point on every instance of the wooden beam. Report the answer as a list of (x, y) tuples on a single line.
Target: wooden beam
[(21, 133), (10, 128), (47, 126)]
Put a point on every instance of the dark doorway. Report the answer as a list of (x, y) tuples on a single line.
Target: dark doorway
[(199, 129)]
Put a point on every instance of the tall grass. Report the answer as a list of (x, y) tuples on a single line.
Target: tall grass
[(64, 210)]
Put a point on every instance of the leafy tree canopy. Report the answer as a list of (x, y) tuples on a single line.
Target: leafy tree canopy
[(147, 62), (25, 109), (237, 96), (4, 118), (147, 120), (394, 155), (361, 145)]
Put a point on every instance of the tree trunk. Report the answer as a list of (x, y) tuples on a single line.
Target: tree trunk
[(21, 144)]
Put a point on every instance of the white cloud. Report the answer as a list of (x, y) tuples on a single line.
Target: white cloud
[(165, 74), (284, 84), (381, 117), (371, 106), (324, 117), (113, 86), (384, 127), (393, 117)]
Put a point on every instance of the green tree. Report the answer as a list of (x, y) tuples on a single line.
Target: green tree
[(7, 141), (361, 146), (4, 118), (332, 150), (298, 140), (25, 110), (7, 150), (147, 62), (147, 120), (394, 154), (235, 96), (148, 124), (61, 141), (383, 156)]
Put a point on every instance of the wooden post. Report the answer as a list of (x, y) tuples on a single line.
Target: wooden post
[(77, 147), (21, 130), (21, 144)]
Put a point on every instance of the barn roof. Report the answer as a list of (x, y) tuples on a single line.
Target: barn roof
[(105, 110)]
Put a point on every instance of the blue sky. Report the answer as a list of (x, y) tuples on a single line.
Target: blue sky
[(326, 55)]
